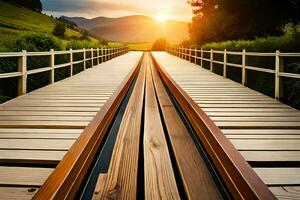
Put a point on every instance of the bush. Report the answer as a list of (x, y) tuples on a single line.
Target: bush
[(60, 29), (80, 44), (38, 42), (159, 45), (286, 43)]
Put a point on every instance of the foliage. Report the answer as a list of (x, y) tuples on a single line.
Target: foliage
[(38, 42), (159, 45), (221, 20), (35, 5), (60, 29), (80, 44), (286, 43), (84, 35)]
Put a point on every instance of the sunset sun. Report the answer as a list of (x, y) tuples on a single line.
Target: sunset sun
[(161, 17)]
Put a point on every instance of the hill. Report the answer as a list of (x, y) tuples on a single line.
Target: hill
[(16, 21), (136, 28)]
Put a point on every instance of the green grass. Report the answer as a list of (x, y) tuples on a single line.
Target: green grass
[(18, 21), (134, 46)]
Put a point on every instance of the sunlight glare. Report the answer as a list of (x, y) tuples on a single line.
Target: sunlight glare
[(161, 17)]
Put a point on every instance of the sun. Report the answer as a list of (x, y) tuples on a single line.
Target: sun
[(161, 17)]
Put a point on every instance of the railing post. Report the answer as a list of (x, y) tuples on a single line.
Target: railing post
[(102, 55), (225, 64), (84, 59), (211, 60), (51, 64), (92, 57), (190, 54), (201, 58), (195, 59), (71, 62), (22, 67), (244, 67), (279, 67), (97, 56)]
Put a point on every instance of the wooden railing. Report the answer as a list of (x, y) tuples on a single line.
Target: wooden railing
[(96, 56), (191, 54)]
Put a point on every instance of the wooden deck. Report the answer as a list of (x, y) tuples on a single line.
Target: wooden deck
[(37, 129), (265, 131)]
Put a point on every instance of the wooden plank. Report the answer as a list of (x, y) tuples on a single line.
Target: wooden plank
[(269, 125), (44, 113), (286, 193), (41, 131), (240, 105), (38, 136), (271, 156), (99, 186), (38, 144), (45, 118), (121, 181), (247, 109), (256, 144), (255, 119), (31, 156), (23, 176), (52, 109), (261, 131), (44, 124), (159, 181), (198, 183), (279, 176), (265, 136), (253, 114), (17, 193)]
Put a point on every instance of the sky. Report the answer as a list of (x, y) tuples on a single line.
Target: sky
[(171, 9)]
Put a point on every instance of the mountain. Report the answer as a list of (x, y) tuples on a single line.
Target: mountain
[(137, 28)]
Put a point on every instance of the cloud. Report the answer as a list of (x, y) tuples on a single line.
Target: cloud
[(93, 8), (87, 6)]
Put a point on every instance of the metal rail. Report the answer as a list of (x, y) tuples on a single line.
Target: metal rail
[(96, 56), (278, 70)]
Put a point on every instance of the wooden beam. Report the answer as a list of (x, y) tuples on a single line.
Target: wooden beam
[(160, 181), (197, 180)]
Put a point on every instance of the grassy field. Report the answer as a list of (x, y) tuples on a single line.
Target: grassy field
[(17, 21), (139, 46), (134, 46)]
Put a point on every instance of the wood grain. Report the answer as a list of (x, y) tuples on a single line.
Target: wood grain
[(160, 182), (198, 183)]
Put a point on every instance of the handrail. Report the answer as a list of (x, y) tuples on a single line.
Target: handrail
[(99, 55), (192, 54)]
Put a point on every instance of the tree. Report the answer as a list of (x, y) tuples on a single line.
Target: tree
[(159, 45), (59, 29), (35, 5), (219, 20), (84, 35)]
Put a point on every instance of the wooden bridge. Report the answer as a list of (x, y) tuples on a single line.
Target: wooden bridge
[(146, 126)]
